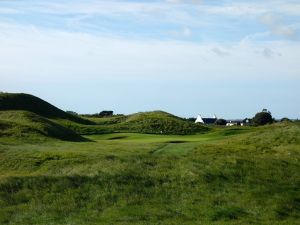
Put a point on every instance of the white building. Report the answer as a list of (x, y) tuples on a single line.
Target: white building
[(203, 120)]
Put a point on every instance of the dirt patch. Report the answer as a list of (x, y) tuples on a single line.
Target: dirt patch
[(176, 142), (117, 138)]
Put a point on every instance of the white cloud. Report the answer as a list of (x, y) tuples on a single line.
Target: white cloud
[(256, 36), (254, 8), (106, 8), (183, 33), (31, 54), (291, 9), (285, 31), (220, 52), (7, 10), (277, 26), (115, 7), (186, 13), (185, 1), (186, 32), (270, 19), (268, 52), (237, 9)]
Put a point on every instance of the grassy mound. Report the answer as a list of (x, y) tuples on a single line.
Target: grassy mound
[(9, 101), (156, 122), (161, 122), (23, 124), (108, 120)]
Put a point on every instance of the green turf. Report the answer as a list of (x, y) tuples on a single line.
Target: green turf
[(225, 176)]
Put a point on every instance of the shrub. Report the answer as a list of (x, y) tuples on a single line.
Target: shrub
[(228, 213), (285, 119), (221, 122), (262, 118)]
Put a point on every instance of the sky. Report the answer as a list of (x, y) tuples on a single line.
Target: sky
[(187, 57)]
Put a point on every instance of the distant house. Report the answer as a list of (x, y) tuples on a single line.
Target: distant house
[(234, 123), (237, 123), (229, 123), (204, 120)]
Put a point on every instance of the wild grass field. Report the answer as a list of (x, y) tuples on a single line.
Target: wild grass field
[(229, 176), (49, 174)]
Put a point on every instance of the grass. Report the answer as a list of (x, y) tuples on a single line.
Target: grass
[(224, 176)]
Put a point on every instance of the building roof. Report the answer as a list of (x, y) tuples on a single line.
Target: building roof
[(206, 120), (199, 119), (209, 120)]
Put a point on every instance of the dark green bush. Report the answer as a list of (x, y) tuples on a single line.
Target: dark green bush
[(262, 118), (221, 122)]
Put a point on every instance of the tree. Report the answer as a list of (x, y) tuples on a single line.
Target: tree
[(106, 114), (285, 119), (247, 121), (262, 118), (221, 122), (191, 119), (72, 112)]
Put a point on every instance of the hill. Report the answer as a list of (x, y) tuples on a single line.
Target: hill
[(24, 125), (159, 122), (26, 102), (155, 122)]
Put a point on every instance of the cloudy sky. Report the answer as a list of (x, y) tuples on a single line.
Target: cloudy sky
[(231, 58)]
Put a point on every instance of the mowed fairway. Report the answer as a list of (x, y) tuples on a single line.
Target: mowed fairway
[(227, 176)]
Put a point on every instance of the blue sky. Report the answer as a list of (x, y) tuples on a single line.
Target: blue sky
[(231, 58)]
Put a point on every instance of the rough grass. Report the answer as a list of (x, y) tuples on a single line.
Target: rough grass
[(228, 176)]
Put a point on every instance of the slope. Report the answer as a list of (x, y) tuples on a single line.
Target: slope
[(24, 125), (26, 102)]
